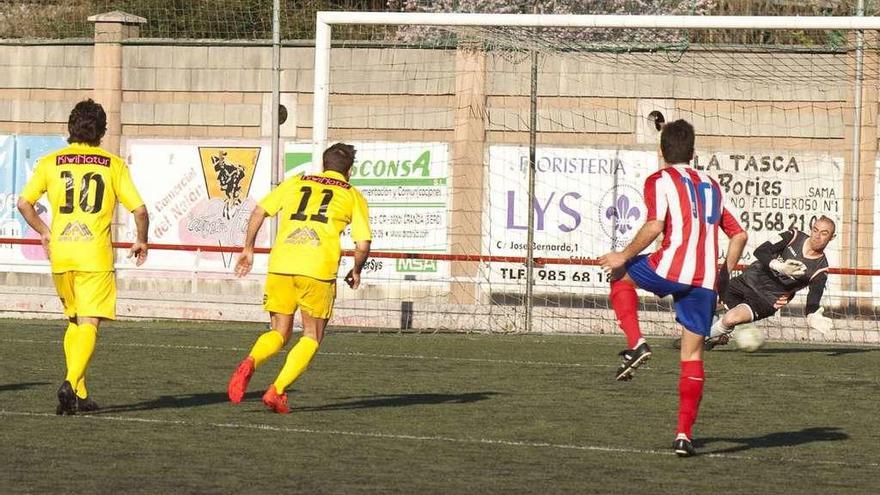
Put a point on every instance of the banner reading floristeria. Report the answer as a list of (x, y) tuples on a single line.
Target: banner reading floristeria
[(587, 202)]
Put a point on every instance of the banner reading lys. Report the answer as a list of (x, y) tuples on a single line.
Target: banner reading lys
[(587, 202), (406, 187), (200, 193)]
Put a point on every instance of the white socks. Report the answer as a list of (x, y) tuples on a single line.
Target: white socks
[(718, 328)]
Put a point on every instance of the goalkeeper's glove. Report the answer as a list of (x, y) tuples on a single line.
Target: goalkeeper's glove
[(789, 268), (821, 323)]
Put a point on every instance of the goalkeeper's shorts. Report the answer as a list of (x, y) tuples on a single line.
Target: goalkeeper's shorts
[(285, 293), (87, 293), (740, 293)]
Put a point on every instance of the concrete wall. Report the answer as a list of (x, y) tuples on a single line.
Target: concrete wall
[(220, 91)]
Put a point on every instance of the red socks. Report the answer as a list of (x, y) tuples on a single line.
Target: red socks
[(626, 305), (690, 391)]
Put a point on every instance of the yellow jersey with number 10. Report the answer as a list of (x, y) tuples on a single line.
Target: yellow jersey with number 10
[(83, 184), (313, 211)]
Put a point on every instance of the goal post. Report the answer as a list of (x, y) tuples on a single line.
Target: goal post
[(781, 125)]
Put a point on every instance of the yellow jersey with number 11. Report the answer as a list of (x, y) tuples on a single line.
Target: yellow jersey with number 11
[(313, 211)]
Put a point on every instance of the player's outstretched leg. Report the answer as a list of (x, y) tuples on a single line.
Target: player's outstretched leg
[(626, 304), (297, 361), (266, 346)]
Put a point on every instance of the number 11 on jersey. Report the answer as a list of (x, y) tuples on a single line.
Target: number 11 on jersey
[(321, 215)]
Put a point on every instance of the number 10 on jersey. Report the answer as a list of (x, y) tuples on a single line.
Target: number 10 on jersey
[(703, 194)]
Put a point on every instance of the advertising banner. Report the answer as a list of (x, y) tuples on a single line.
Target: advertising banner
[(200, 193), (18, 156), (778, 191), (407, 188), (587, 202)]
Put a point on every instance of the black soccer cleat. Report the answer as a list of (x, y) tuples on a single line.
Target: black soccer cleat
[(710, 342), (86, 405), (683, 446), (66, 400), (632, 359), (713, 342)]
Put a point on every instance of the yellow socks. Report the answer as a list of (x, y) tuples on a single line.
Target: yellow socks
[(79, 351), (266, 346), (297, 361), (69, 336)]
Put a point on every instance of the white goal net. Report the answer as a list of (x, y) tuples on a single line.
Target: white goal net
[(439, 107)]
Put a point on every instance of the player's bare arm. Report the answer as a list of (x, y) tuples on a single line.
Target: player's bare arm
[(735, 249), (139, 248), (361, 253), (245, 261), (645, 236), (27, 210)]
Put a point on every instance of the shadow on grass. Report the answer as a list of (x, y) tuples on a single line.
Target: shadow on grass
[(176, 402), (828, 351), (207, 399), (12, 387), (779, 439), (400, 400)]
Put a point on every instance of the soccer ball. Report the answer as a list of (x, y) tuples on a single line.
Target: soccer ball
[(748, 337)]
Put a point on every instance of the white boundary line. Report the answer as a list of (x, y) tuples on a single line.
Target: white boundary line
[(434, 439), (446, 358)]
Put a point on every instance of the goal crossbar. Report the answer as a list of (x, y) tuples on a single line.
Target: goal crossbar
[(325, 20), (600, 21)]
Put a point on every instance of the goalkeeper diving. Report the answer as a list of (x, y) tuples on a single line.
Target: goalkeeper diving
[(785, 264)]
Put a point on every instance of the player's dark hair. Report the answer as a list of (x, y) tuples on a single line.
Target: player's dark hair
[(823, 218), (339, 158), (677, 142), (87, 123)]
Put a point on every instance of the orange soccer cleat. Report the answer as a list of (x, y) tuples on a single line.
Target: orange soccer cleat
[(239, 381), (275, 402)]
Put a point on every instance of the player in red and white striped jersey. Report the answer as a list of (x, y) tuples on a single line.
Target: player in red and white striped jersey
[(688, 208), (690, 204)]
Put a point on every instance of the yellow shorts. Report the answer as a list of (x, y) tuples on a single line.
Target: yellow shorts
[(87, 293), (284, 293)]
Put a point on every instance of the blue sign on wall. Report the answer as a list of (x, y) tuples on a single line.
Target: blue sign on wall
[(18, 155)]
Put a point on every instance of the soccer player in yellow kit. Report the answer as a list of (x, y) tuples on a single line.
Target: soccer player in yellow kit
[(313, 211), (83, 183)]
